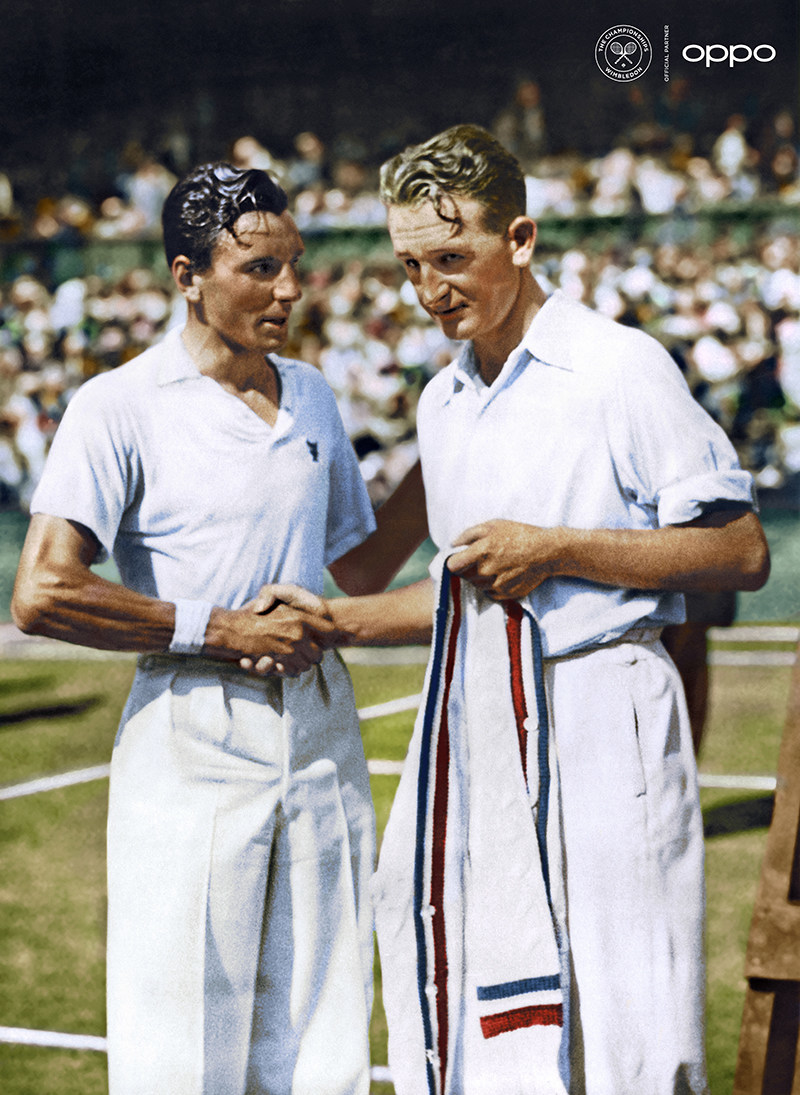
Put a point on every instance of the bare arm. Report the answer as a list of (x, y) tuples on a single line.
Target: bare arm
[(402, 527), (398, 618), (58, 595), (385, 619), (723, 550)]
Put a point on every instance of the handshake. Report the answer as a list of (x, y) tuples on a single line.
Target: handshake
[(282, 631)]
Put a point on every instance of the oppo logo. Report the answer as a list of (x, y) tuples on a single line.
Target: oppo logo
[(734, 55)]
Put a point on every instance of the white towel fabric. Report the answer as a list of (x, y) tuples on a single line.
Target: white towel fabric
[(471, 933)]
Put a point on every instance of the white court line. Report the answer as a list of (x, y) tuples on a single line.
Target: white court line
[(385, 767), (738, 783), (101, 771), (755, 633), (391, 707), (53, 783), (752, 658), (54, 1039), (735, 783)]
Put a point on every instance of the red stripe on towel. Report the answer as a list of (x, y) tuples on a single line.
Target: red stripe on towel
[(514, 635), (541, 1015)]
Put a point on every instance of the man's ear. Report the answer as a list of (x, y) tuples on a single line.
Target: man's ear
[(522, 236), (187, 281)]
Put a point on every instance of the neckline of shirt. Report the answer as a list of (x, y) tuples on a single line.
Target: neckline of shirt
[(179, 365), (467, 374)]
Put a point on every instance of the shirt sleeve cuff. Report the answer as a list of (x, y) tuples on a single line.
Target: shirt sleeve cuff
[(691, 498)]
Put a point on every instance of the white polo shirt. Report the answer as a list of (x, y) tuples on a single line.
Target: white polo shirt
[(590, 424), (193, 494)]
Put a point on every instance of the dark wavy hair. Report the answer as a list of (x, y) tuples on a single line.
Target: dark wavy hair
[(466, 160), (208, 201)]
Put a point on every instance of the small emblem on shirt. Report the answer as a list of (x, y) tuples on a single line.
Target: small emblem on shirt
[(313, 448)]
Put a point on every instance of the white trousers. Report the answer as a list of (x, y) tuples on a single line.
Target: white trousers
[(626, 861), (632, 840), (240, 846)]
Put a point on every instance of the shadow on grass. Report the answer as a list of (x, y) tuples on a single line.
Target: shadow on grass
[(49, 711), (738, 817), (41, 682)]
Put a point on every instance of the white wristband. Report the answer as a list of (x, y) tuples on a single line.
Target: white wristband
[(191, 621)]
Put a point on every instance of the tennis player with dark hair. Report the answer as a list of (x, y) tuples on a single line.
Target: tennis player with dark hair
[(539, 896), (241, 833)]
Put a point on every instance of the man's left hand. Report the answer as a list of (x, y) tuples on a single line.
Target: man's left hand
[(506, 559)]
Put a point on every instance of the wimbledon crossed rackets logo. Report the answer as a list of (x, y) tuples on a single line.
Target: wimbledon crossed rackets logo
[(623, 53)]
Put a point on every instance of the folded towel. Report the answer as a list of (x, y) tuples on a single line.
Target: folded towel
[(463, 889)]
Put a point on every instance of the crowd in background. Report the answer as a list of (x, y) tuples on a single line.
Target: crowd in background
[(729, 314), (728, 310), (666, 158)]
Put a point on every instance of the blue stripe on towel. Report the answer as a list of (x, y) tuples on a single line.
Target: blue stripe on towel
[(543, 753), (517, 988), (440, 631)]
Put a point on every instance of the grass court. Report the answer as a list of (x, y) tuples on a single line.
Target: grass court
[(60, 715)]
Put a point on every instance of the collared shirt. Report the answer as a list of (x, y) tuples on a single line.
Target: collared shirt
[(589, 424), (194, 494)]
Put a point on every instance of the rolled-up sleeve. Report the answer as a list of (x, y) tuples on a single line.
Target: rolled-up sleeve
[(674, 458)]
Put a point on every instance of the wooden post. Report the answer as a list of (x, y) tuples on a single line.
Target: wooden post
[(768, 1063)]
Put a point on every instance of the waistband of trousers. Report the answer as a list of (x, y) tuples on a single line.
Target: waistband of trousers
[(640, 635), (195, 663)]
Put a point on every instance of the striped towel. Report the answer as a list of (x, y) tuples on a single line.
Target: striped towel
[(472, 946)]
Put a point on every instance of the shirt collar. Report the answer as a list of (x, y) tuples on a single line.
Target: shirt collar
[(178, 364), (546, 341)]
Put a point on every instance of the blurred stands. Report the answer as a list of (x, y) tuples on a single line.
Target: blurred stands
[(729, 314), (694, 240)]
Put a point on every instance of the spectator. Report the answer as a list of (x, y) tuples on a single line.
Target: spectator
[(521, 126), (734, 158), (308, 170)]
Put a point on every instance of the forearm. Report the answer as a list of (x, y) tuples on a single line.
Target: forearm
[(722, 550), (692, 557), (58, 594), (90, 611), (86, 609), (400, 617)]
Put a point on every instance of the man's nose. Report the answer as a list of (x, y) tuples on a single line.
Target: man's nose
[(432, 287), (288, 287)]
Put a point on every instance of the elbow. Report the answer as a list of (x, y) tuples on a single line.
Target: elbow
[(355, 578), (31, 607), (25, 614), (756, 568), (754, 561)]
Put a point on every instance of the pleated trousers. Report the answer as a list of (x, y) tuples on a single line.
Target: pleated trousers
[(240, 846)]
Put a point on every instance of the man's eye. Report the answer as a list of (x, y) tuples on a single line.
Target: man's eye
[(450, 258)]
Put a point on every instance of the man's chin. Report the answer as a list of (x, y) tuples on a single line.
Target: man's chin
[(273, 341), (450, 322)]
